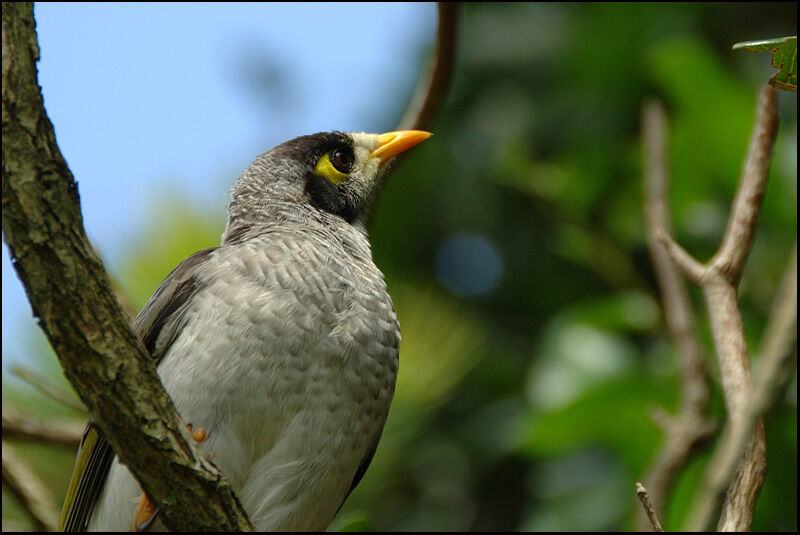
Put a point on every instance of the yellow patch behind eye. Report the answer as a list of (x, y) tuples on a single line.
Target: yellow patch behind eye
[(326, 169)]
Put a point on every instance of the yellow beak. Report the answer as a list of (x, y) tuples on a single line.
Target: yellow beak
[(393, 143)]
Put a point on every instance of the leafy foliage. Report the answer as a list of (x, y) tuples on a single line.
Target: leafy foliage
[(784, 58)]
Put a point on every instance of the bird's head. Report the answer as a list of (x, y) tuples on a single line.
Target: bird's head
[(326, 174)]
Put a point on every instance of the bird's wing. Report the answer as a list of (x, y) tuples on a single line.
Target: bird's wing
[(95, 454), (362, 467), (170, 296), (361, 470), (94, 459)]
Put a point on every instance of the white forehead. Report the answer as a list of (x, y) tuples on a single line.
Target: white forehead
[(365, 141), (363, 145)]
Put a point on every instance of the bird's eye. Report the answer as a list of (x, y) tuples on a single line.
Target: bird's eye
[(335, 165), (341, 160)]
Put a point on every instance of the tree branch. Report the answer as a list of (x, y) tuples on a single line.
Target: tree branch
[(644, 497), (689, 267), (20, 427), (719, 280), (684, 432), (19, 480), (46, 386), (726, 320), (777, 363), (740, 231), (432, 89), (71, 295)]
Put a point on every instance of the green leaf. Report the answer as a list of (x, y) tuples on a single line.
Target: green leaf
[(784, 57), (354, 521), (615, 414)]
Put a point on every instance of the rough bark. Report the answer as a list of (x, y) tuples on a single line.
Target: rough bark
[(71, 295)]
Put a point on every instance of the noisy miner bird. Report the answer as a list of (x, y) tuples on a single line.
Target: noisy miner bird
[(279, 347)]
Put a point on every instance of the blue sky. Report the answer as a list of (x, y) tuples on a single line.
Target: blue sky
[(148, 97)]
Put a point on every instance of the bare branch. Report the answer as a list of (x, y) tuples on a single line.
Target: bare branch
[(726, 320), (678, 311), (740, 231), (47, 387), (690, 427), (71, 294), (689, 267), (719, 280), (21, 427), (641, 492), (734, 362), (776, 367), (22, 482), (719, 284), (780, 335), (432, 88)]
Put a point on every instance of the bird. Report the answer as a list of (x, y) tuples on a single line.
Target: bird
[(279, 347)]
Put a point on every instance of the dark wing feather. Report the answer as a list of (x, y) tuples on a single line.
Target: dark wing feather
[(173, 293), (361, 470), (95, 454), (91, 456)]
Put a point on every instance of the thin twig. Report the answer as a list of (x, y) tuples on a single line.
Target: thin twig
[(20, 427), (719, 280), (777, 362), (777, 352), (22, 482), (740, 230), (46, 386), (685, 431), (740, 500), (689, 267), (432, 89), (641, 492)]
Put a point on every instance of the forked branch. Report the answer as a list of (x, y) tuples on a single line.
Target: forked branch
[(718, 279), (690, 427), (776, 367)]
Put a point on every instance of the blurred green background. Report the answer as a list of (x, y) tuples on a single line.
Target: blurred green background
[(534, 348)]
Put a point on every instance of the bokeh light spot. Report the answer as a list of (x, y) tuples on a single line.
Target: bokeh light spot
[(468, 265)]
